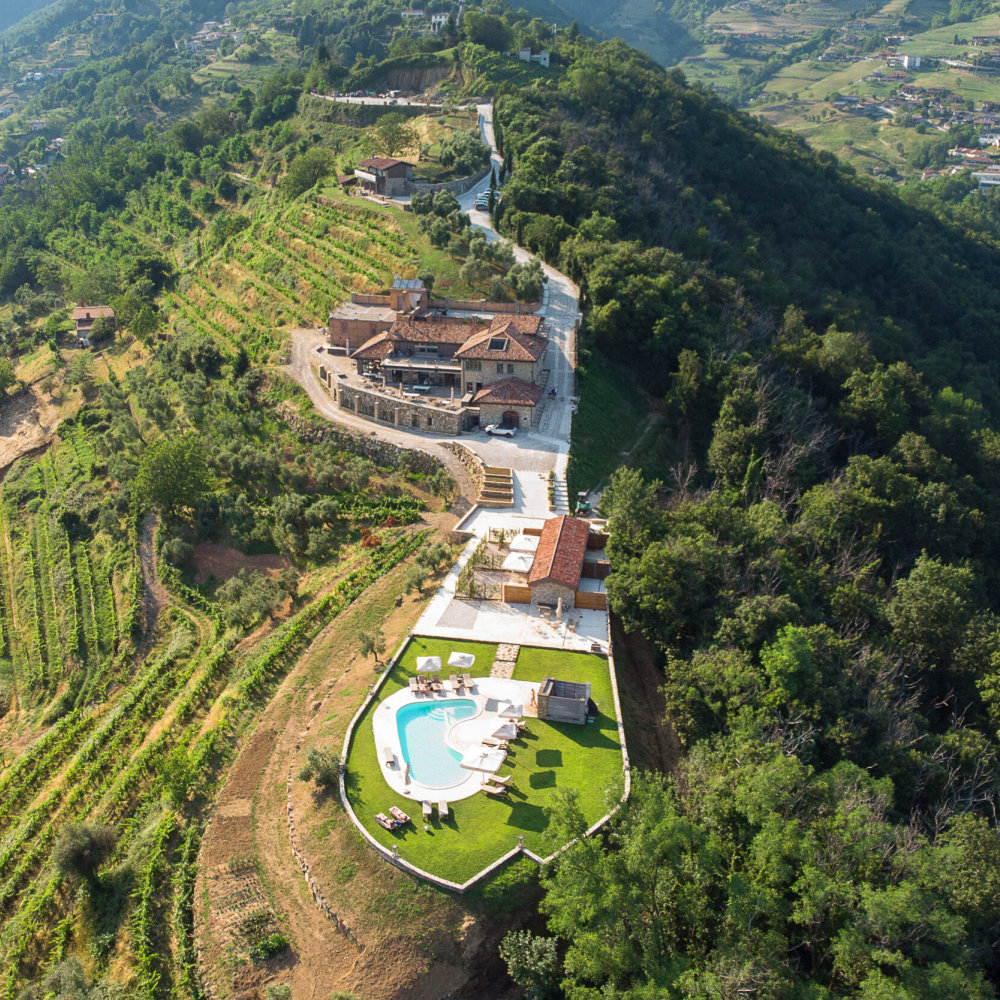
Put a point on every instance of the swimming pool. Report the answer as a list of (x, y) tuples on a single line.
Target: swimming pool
[(423, 727)]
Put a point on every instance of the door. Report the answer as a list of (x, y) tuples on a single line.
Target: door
[(511, 418)]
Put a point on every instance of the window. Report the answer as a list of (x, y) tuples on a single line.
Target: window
[(500, 368), (498, 344), (474, 366), (468, 387), (510, 369)]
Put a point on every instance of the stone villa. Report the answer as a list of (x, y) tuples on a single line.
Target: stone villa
[(481, 368)]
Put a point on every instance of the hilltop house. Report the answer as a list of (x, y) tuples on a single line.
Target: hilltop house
[(384, 175), (525, 55), (83, 321), (494, 366)]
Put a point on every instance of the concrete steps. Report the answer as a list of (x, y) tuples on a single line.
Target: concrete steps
[(560, 495)]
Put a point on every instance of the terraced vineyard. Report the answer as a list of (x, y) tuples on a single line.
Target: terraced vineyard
[(131, 729), (289, 269), (134, 741)]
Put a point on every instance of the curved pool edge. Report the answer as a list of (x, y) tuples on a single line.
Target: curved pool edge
[(425, 751)]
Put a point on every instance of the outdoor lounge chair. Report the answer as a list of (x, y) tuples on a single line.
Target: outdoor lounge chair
[(436, 682), (500, 781), (384, 820), (442, 810), (467, 680), (399, 816), (456, 684), (489, 741), (496, 790), (388, 756), (414, 685), (426, 808)]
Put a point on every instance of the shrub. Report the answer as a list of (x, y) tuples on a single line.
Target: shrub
[(81, 849)]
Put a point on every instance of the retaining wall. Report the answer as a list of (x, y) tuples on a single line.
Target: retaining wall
[(458, 186), (399, 412)]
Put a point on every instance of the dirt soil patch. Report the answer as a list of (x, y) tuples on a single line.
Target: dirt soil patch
[(27, 421), (222, 562)]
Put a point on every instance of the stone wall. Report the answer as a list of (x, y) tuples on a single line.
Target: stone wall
[(458, 186), (352, 332), (548, 592), (400, 412), (487, 373), (380, 452), (472, 462), (493, 414)]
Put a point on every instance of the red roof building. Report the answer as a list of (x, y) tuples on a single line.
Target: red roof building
[(560, 552)]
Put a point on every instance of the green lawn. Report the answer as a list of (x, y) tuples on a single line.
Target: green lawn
[(549, 757)]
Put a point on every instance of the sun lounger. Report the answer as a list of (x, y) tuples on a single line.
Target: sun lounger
[(467, 680), (399, 815), (442, 810), (456, 684), (388, 756), (384, 820), (414, 685), (494, 789), (426, 808), (498, 780), (489, 741), (436, 683)]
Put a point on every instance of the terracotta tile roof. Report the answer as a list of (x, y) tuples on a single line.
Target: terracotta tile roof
[(433, 331), (375, 348), (517, 346), (523, 322), (92, 312), (382, 162), (523, 346), (560, 552), (510, 391)]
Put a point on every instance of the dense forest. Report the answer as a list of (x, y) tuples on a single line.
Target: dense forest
[(809, 544)]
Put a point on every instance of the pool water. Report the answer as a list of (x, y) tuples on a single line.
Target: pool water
[(422, 729)]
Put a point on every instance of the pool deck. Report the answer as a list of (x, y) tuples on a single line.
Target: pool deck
[(490, 695)]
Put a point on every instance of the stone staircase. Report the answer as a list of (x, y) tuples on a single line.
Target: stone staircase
[(560, 495)]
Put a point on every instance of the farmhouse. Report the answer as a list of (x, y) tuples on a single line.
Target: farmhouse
[(384, 175), (555, 572), (83, 321)]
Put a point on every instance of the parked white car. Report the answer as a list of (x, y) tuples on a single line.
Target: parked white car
[(500, 430)]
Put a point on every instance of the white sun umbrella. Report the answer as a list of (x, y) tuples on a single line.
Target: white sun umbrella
[(524, 543), (463, 661), (511, 712), (507, 731), (485, 759), (425, 664)]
